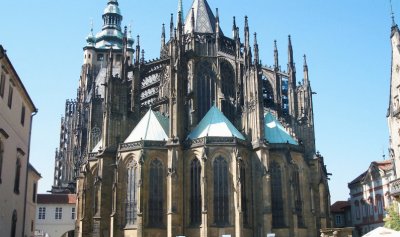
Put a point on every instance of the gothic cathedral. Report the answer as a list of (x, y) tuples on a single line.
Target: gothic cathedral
[(203, 141)]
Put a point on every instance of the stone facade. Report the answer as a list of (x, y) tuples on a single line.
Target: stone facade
[(16, 112), (253, 178), (393, 114)]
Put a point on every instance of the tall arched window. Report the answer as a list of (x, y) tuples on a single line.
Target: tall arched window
[(131, 194), (1, 157), (221, 198), (205, 80), (14, 224), (17, 175), (357, 205), (364, 208), (276, 195), (379, 204), (298, 202), (244, 193), (267, 92), (156, 194), (195, 192), (228, 89)]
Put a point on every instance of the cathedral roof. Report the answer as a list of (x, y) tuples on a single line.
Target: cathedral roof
[(204, 19), (152, 127), (215, 124), (275, 132)]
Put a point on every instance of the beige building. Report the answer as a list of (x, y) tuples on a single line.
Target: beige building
[(204, 141), (16, 111), (31, 200)]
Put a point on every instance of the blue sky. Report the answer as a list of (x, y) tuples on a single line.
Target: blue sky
[(347, 45)]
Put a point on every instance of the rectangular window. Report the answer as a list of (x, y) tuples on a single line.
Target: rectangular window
[(73, 213), (338, 220), (34, 193), (32, 224), (23, 115), (2, 84), (42, 213), (10, 96), (100, 57), (58, 213)]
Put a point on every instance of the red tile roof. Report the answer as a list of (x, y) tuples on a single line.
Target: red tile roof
[(339, 206), (56, 198), (385, 165)]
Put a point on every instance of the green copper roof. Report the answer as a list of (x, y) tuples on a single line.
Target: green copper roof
[(152, 127), (275, 132), (215, 124)]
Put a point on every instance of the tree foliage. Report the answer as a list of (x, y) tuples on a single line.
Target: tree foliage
[(392, 219)]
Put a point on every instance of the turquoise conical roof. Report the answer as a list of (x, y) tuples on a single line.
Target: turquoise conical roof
[(215, 124), (152, 127), (275, 132)]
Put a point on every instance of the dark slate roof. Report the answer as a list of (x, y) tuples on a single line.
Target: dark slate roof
[(204, 19)]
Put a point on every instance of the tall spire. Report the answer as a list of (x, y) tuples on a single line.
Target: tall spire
[(171, 27), (305, 70), (180, 9), (256, 51), (276, 56), (234, 27), (163, 36), (392, 14), (246, 32), (290, 52)]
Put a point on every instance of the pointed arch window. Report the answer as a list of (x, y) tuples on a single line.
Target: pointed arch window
[(276, 196), (205, 78), (244, 193), (221, 198), (17, 176), (131, 194), (298, 202), (195, 192), (267, 93), (357, 209), (1, 158), (156, 194), (228, 90), (14, 224)]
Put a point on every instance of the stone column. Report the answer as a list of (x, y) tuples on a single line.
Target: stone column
[(204, 196), (174, 189), (140, 196)]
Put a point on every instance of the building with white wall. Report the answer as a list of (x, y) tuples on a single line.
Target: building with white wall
[(55, 215), (370, 195), (16, 111)]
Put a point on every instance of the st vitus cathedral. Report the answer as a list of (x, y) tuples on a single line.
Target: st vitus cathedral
[(204, 141)]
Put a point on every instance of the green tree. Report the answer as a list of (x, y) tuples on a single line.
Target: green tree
[(392, 219)]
